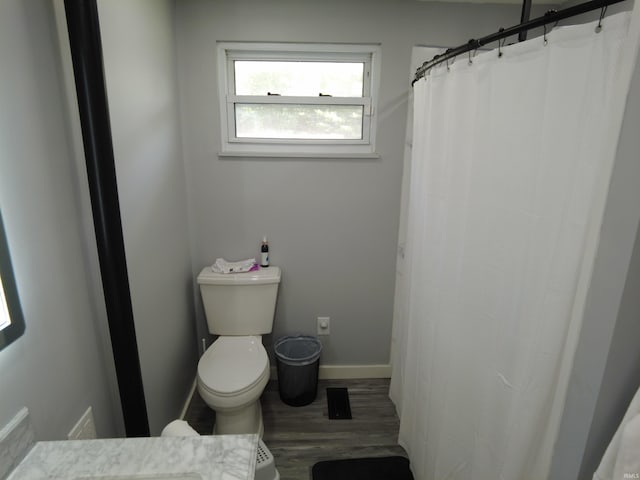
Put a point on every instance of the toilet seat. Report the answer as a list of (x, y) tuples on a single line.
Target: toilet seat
[(233, 365)]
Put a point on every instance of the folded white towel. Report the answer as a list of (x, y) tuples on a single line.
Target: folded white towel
[(222, 266)]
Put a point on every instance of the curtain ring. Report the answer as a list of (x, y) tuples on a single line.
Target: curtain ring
[(545, 31), (450, 64), (501, 43), (546, 14), (473, 42), (602, 13)]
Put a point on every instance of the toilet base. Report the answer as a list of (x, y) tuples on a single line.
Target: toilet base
[(238, 421)]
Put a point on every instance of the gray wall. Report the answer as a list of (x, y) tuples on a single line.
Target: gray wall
[(606, 371), (138, 44), (332, 224), (56, 368)]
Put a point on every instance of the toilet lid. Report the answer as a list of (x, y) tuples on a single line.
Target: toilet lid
[(233, 364)]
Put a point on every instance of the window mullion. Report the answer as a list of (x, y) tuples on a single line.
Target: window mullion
[(277, 99)]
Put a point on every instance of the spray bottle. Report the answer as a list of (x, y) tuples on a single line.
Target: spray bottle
[(264, 253)]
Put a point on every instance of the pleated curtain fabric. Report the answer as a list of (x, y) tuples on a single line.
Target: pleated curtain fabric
[(507, 154)]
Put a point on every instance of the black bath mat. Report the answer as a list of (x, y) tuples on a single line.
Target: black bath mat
[(338, 403), (379, 468)]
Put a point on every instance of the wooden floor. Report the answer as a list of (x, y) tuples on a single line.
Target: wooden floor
[(298, 437)]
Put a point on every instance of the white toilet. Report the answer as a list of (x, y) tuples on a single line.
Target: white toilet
[(234, 370)]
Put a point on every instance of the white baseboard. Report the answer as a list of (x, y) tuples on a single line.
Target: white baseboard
[(337, 372)]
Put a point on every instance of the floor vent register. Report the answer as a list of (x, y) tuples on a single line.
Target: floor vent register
[(338, 403)]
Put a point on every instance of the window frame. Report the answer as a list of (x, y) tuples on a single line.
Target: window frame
[(232, 145)]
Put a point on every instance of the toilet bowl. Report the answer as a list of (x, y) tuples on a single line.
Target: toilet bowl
[(232, 374)]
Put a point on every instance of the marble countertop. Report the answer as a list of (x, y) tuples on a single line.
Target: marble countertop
[(216, 457)]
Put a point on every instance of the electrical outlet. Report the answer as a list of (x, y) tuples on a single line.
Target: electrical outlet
[(85, 428), (324, 325)]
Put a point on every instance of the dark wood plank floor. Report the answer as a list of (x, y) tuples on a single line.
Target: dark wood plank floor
[(298, 437)]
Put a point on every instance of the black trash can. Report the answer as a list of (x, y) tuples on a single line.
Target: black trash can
[(298, 360)]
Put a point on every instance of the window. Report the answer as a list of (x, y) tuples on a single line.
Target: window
[(298, 99)]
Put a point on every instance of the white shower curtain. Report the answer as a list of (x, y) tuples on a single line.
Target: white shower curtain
[(508, 177)]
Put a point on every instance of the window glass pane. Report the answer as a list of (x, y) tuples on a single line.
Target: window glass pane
[(336, 122), (11, 319), (300, 79), (5, 320)]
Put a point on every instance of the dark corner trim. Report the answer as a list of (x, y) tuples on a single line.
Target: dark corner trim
[(86, 52)]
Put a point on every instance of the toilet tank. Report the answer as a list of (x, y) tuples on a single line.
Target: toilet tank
[(239, 303)]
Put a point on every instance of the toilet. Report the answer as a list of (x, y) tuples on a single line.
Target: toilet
[(234, 370)]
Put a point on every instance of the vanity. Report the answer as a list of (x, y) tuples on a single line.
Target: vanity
[(220, 457)]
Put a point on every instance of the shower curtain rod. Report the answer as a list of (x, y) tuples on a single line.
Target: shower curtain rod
[(550, 17)]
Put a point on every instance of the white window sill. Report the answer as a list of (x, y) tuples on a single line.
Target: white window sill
[(296, 155)]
